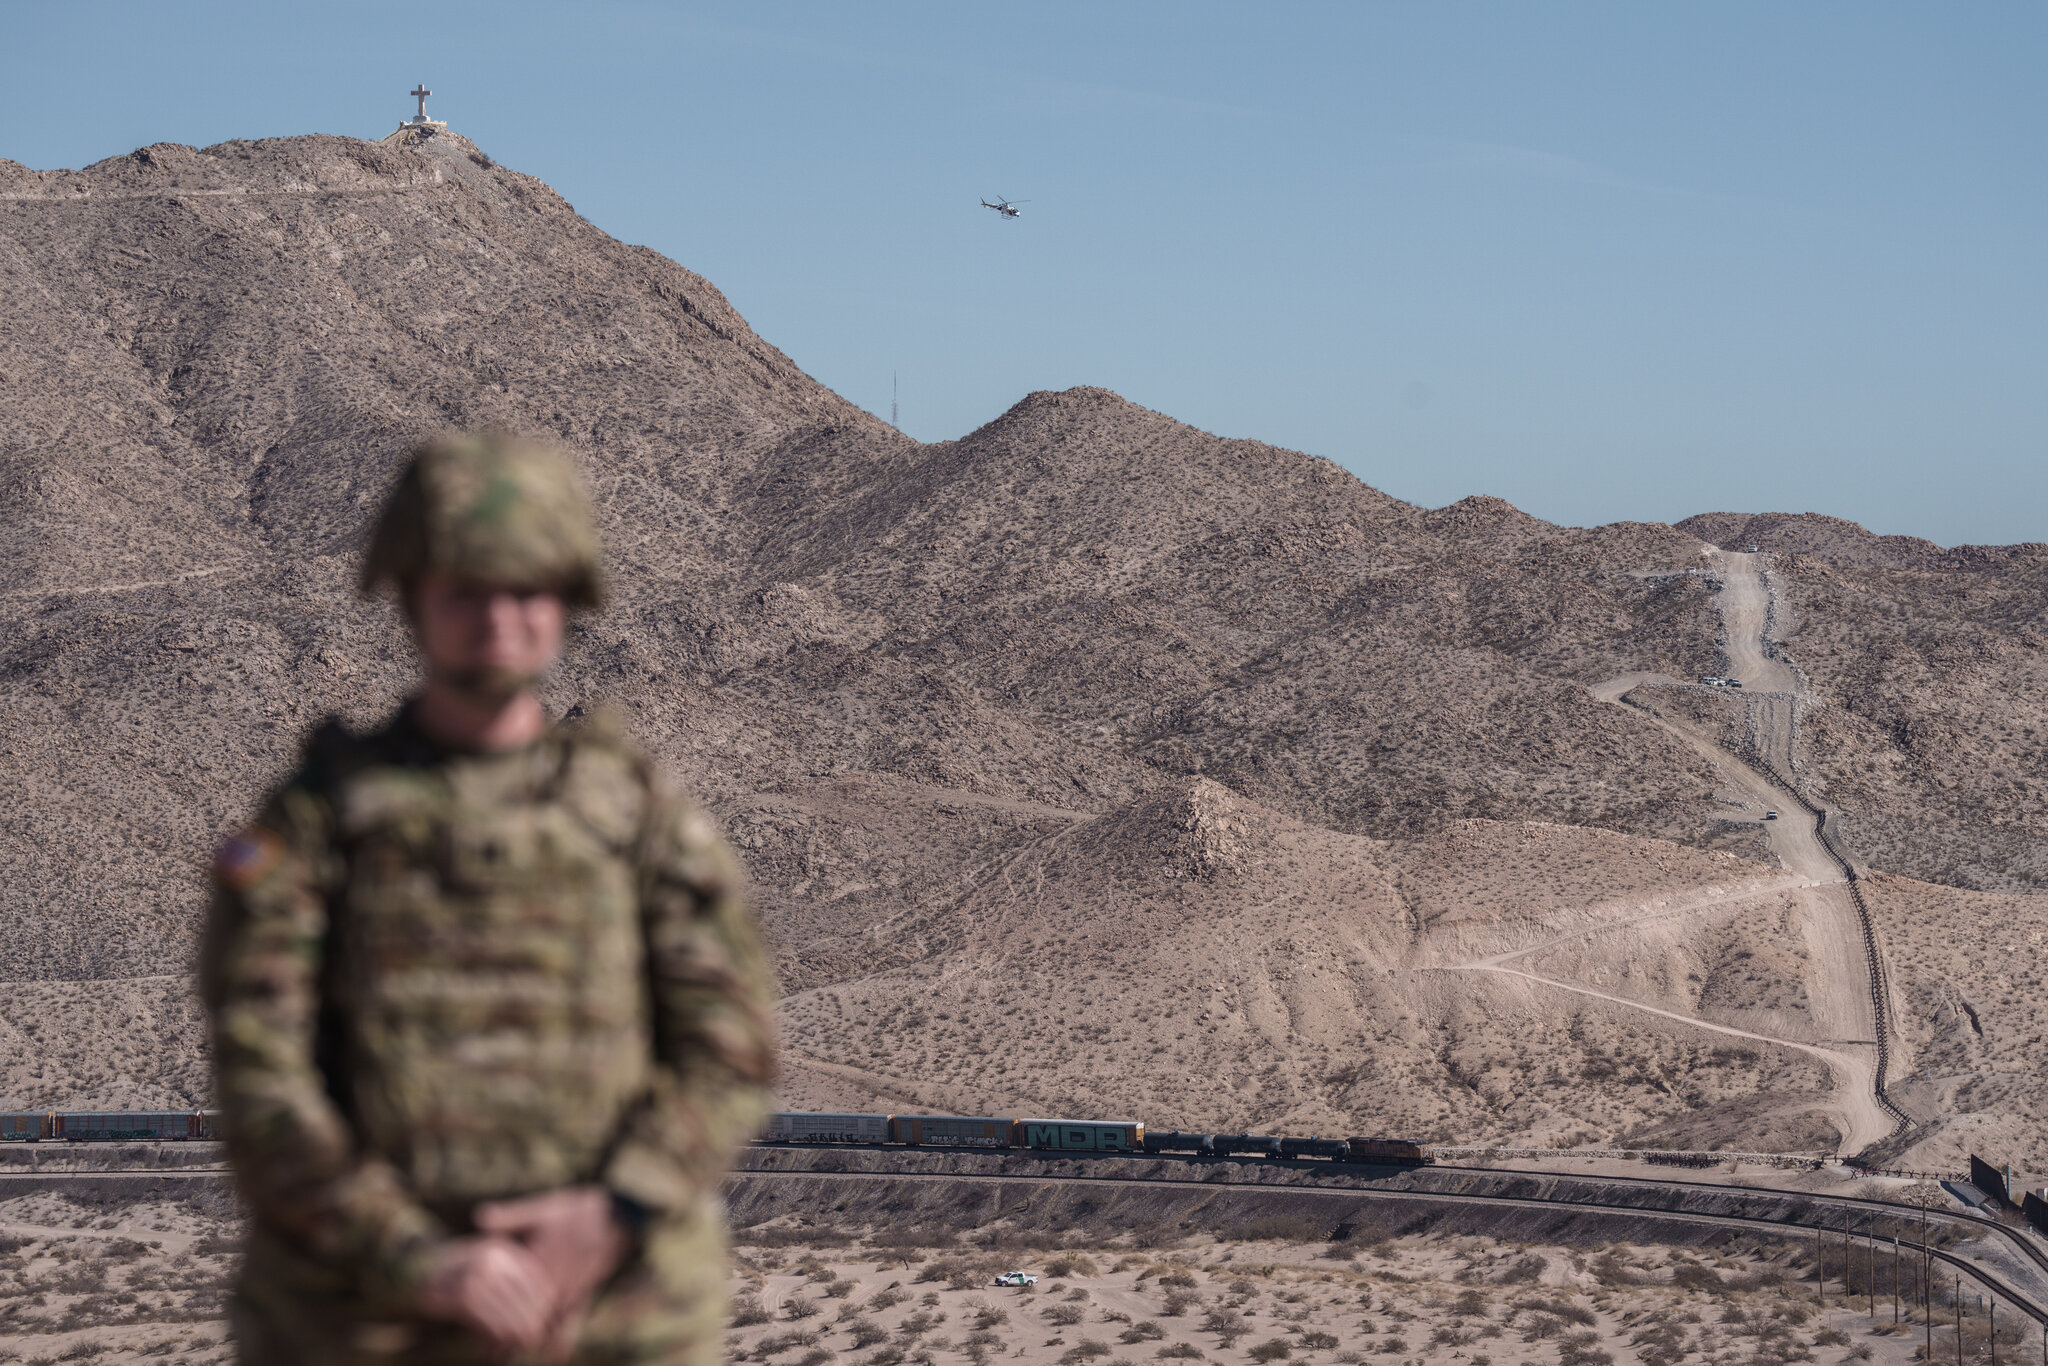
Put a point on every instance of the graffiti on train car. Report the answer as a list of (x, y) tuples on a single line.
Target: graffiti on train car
[(1085, 1136)]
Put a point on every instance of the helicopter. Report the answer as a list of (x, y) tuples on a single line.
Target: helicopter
[(1005, 207)]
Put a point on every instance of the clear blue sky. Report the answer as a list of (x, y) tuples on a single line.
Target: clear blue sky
[(1628, 260)]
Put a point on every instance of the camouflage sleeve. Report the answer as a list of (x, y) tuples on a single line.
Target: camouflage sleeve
[(296, 1160), (713, 999)]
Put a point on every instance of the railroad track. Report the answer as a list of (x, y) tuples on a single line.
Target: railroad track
[(1786, 1223), (1990, 1280)]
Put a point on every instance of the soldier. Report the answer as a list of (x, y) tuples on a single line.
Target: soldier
[(489, 1015)]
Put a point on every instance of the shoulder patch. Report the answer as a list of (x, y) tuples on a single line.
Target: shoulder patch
[(243, 861)]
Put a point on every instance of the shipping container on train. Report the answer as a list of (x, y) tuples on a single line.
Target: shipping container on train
[(24, 1126), (950, 1131), (1174, 1141), (102, 1126), (812, 1126), (1079, 1135)]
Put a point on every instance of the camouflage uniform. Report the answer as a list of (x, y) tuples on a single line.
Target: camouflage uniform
[(440, 978)]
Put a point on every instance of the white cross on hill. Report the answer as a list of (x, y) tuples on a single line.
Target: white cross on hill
[(420, 93)]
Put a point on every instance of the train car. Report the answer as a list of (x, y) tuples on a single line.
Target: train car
[(205, 1124), (1174, 1141), (24, 1126), (101, 1126), (950, 1131), (1335, 1149), (810, 1126), (1079, 1135), (1392, 1152), (1250, 1145)]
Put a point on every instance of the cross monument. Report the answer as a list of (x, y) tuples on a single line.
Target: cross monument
[(420, 93)]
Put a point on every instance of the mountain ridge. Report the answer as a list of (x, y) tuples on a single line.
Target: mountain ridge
[(895, 670)]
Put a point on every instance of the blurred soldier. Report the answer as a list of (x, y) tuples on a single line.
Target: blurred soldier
[(489, 1015)]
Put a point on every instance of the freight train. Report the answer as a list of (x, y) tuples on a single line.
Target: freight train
[(1078, 1136), (102, 1126), (1099, 1136)]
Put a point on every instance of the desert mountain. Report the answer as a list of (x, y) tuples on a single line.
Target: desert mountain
[(1273, 756)]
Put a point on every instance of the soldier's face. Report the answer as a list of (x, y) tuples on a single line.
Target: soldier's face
[(484, 639)]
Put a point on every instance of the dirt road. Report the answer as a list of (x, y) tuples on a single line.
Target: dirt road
[(1844, 1023)]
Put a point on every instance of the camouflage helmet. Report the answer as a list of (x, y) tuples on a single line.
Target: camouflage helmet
[(493, 508)]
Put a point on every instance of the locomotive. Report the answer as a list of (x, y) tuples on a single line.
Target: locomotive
[(1078, 1136)]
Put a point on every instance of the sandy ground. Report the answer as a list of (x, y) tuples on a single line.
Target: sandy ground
[(1406, 1300), (112, 1280)]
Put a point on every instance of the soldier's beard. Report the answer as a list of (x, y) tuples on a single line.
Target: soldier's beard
[(486, 685)]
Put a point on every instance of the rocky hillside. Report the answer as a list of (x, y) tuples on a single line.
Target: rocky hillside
[(1085, 692), (214, 358), (1930, 667)]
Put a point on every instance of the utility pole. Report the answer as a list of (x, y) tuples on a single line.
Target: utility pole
[(1870, 1261), (1820, 1266), (892, 400), (1959, 1319), (1895, 1283), (1926, 1290)]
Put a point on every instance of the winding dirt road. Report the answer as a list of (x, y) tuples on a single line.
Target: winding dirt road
[(1843, 1015)]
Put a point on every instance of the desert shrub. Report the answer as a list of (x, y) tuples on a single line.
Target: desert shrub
[(798, 1307), (1272, 1349), (1178, 1277), (1143, 1331), (1582, 1349), (918, 1324), (748, 1311), (817, 1356), (886, 1356), (1469, 1304), (1318, 1342), (1830, 1337), (866, 1333), (1177, 1303), (1087, 1349), (1659, 1343), (987, 1316), (1226, 1324), (1284, 1228), (1526, 1269), (1070, 1264), (1061, 1315), (791, 1237), (882, 1299), (1179, 1351), (1392, 1345), (839, 1289), (1077, 1295), (775, 1344), (1563, 1309)]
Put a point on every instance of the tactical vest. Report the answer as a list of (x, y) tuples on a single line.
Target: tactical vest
[(485, 1005)]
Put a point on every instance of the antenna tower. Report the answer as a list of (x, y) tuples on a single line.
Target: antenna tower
[(892, 400)]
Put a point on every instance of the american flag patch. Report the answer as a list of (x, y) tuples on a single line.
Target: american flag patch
[(242, 861)]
